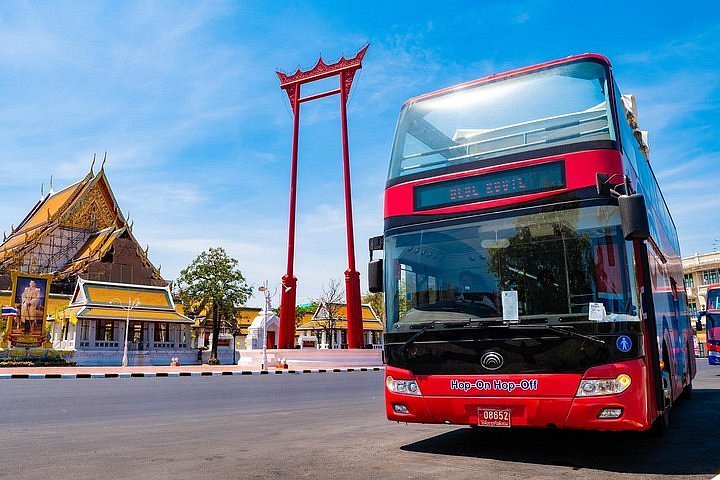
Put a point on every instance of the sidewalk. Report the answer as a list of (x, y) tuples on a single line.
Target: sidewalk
[(164, 371)]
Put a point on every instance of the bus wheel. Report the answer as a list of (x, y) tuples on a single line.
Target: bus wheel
[(662, 423), (687, 391)]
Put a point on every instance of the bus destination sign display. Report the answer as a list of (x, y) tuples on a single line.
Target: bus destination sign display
[(490, 186)]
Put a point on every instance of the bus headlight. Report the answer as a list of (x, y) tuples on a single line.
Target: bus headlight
[(408, 387), (605, 386)]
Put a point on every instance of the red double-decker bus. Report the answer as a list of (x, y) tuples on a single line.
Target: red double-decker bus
[(531, 268)]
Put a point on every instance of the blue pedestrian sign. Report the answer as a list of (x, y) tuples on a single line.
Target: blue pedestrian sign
[(623, 343)]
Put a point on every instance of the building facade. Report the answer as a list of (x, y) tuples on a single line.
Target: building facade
[(101, 317), (700, 271), (79, 237), (329, 326)]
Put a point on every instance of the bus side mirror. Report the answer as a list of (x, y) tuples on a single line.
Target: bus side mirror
[(698, 321), (375, 267), (633, 215), (375, 276)]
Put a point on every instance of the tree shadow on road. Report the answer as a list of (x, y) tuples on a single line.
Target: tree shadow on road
[(684, 450)]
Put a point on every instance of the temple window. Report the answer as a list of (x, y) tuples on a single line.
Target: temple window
[(161, 332), (105, 330), (84, 330)]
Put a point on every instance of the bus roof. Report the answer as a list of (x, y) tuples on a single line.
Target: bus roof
[(510, 73)]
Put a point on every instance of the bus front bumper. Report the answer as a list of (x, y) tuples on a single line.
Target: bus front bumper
[(553, 403)]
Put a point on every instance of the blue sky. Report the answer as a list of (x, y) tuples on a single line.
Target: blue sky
[(184, 98)]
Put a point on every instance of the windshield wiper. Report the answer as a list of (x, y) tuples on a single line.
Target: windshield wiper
[(563, 331), (412, 339), (470, 322)]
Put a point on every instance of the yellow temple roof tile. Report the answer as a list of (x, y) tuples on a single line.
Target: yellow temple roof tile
[(341, 312), (96, 243), (109, 301), (317, 322), (105, 293), (48, 207), (320, 324), (135, 314)]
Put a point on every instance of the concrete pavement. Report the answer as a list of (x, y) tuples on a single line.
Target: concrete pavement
[(297, 361)]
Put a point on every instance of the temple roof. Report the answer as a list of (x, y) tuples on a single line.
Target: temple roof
[(320, 318), (110, 301), (68, 229), (243, 318)]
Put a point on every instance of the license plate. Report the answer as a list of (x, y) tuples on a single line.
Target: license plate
[(494, 417)]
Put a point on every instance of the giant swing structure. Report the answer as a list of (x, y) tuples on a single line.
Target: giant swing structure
[(345, 70)]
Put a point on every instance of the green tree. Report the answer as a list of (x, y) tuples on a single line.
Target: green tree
[(213, 283), (377, 302), (301, 311)]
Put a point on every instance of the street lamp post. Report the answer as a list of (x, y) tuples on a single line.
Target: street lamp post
[(264, 288), (128, 307)]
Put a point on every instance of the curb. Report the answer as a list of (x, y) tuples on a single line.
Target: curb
[(216, 373)]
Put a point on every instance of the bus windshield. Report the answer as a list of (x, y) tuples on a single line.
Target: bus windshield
[(558, 262), (712, 322), (555, 106)]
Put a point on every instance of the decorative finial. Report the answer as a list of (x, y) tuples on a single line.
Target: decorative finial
[(51, 185), (48, 219), (147, 248), (42, 190), (92, 164), (4, 236), (131, 225), (102, 165)]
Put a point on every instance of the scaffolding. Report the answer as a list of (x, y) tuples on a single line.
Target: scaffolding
[(54, 252)]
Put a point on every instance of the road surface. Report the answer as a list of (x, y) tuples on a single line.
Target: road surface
[(329, 425)]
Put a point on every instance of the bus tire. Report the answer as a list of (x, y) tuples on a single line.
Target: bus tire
[(688, 390), (662, 422)]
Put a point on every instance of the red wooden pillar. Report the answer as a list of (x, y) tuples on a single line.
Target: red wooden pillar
[(345, 69), (288, 297), (352, 276)]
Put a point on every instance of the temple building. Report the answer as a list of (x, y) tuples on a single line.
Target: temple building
[(92, 329), (329, 326), (77, 232), (231, 333), (101, 278)]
